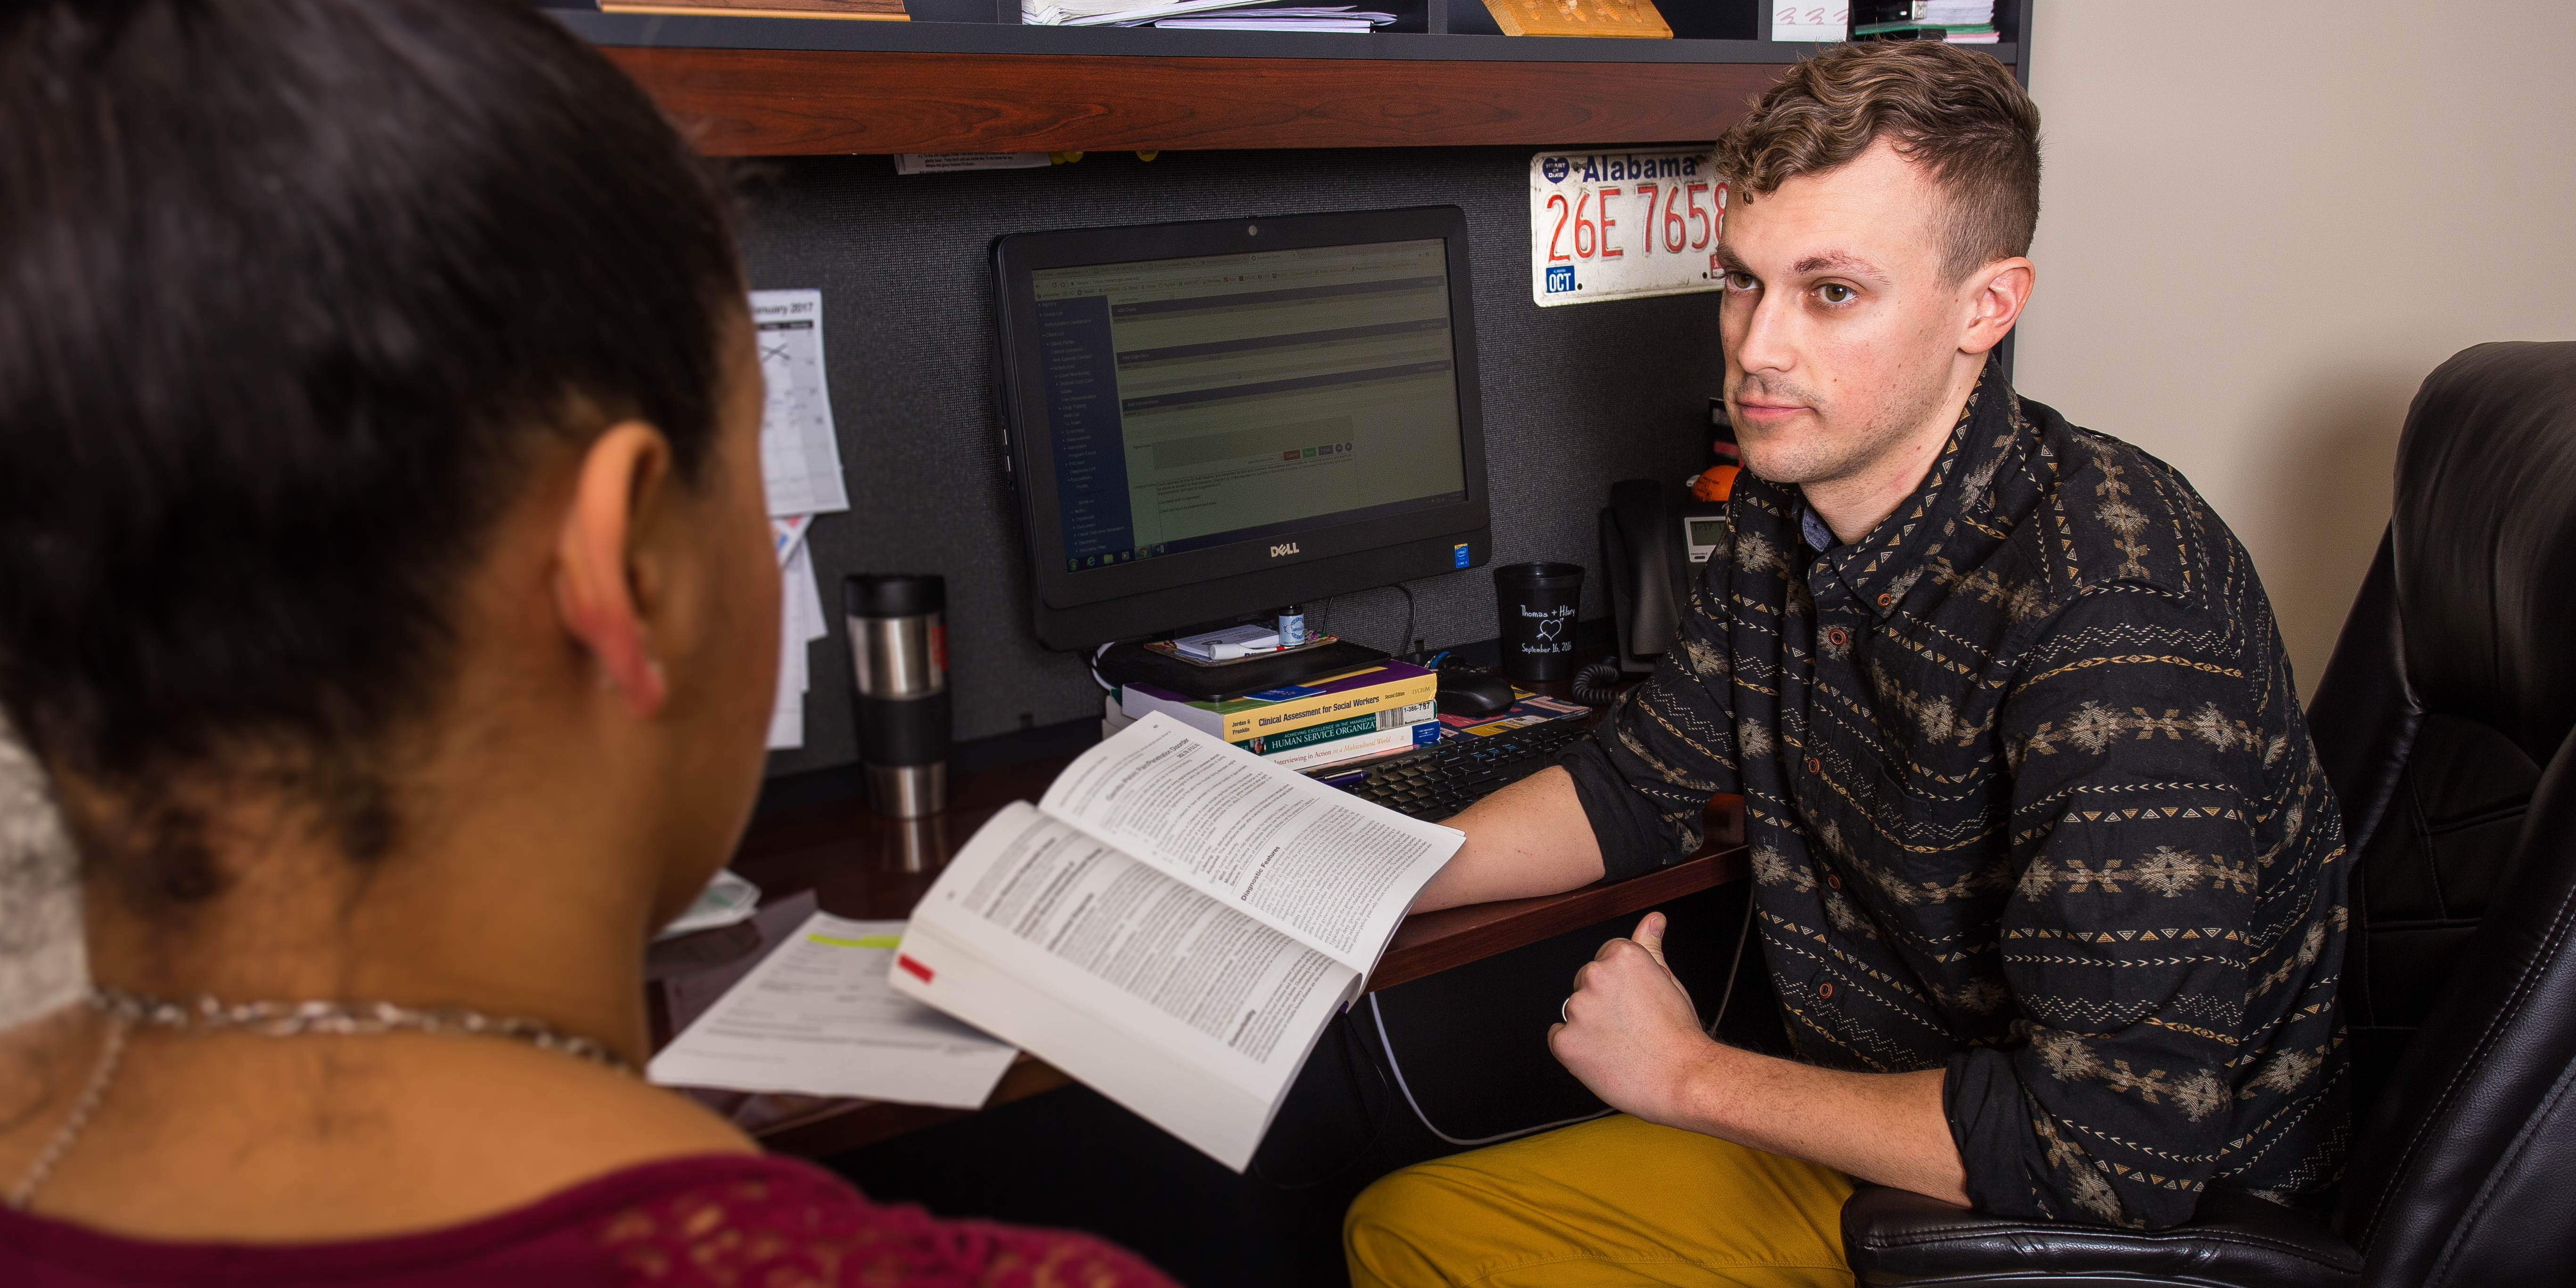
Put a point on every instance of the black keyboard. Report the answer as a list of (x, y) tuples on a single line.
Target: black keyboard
[(1446, 777)]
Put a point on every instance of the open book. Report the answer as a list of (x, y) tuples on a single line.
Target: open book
[(1174, 924)]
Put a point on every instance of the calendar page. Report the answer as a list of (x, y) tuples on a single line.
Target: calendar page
[(800, 458)]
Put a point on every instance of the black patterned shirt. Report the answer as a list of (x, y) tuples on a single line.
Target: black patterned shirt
[(2030, 799)]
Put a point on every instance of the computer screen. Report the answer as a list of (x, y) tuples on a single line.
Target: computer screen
[(1198, 434), (1222, 398)]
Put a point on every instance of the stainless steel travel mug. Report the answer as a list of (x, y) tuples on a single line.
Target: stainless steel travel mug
[(899, 666)]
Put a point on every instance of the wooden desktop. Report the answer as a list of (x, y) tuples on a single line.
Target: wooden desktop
[(854, 863)]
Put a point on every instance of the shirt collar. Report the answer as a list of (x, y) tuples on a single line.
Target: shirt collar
[(1879, 568), (1819, 537)]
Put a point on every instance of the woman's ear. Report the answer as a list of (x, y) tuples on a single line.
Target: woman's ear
[(605, 582)]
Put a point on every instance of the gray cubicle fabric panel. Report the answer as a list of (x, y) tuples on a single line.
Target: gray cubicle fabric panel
[(1575, 398)]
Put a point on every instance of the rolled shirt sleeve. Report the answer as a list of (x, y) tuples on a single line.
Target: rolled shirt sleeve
[(1647, 771)]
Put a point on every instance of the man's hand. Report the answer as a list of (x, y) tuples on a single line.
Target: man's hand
[(1633, 1036)]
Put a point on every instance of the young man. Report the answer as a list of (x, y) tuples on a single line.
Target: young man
[(2048, 882)]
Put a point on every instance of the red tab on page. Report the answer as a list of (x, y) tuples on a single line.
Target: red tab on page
[(905, 960)]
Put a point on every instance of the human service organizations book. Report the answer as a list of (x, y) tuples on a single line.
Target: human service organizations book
[(1174, 924)]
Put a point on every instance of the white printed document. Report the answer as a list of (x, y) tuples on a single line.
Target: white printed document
[(1174, 923), (800, 468), (817, 1018)]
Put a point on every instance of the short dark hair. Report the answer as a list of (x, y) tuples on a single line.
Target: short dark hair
[(1951, 108), (291, 292)]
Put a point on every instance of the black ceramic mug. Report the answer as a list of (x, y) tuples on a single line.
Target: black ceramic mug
[(1536, 603)]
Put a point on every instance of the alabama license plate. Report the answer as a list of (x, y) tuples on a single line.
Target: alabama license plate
[(1621, 225)]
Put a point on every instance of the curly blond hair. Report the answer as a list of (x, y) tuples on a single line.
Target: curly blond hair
[(1953, 109)]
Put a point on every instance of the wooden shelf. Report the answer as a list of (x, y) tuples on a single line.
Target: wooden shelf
[(785, 87), (797, 103)]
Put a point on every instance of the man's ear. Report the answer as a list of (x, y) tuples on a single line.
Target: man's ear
[(1996, 294), (605, 585)]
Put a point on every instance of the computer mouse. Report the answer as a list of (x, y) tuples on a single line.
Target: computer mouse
[(1467, 692)]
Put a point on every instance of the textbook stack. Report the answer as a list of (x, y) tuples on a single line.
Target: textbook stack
[(1379, 709)]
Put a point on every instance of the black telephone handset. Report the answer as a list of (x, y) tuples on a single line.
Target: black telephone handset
[(1654, 537), (1635, 551)]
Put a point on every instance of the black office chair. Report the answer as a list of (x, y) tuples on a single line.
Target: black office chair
[(2453, 683)]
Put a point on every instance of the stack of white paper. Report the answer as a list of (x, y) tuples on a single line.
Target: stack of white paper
[(1186, 14), (1969, 21), (1347, 19), (1232, 642), (817, 1017), (800, 464)]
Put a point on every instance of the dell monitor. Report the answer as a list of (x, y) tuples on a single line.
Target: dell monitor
[(1207, 419)]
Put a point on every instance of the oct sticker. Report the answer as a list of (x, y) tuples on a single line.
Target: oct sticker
[(1620, 225)]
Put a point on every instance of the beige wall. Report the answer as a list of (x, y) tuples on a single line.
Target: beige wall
[(2262, 225)]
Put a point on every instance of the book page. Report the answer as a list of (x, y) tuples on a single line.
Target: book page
[(1223, 975), (1334, 871), (1189, 1012)]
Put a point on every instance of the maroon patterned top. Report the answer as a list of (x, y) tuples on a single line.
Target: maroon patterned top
[(735, 1220)]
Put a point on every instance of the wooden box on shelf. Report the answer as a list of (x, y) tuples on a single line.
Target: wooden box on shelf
[(1636, 19)]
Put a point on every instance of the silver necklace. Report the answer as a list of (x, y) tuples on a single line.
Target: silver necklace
[(125, 1010), (24, 1191)]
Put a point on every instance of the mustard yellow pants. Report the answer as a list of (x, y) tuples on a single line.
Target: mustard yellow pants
[(1615, 1201)]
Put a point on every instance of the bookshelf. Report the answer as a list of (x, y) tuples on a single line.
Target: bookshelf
[(759, 86)]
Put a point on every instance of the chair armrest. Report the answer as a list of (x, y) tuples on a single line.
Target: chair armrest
[(1899, 1237)]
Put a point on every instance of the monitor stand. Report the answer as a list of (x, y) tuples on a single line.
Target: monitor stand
[(1131, 663)]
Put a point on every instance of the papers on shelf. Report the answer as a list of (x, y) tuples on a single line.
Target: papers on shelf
[(818, 1018), (1341, 19), (1184, 14), (952, 162), (800, 465)]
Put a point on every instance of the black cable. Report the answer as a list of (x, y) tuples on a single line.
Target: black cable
[(1404, 646), (1727, 994), (1594, 685)]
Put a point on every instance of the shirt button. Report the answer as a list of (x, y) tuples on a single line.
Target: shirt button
[(1825, 990), (1835, 882), (1885, 600), (1815, 766)]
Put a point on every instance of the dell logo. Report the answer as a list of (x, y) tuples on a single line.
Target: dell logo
[(1288, 549)]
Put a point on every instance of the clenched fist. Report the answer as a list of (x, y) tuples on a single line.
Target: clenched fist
[(1631, 1034)]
